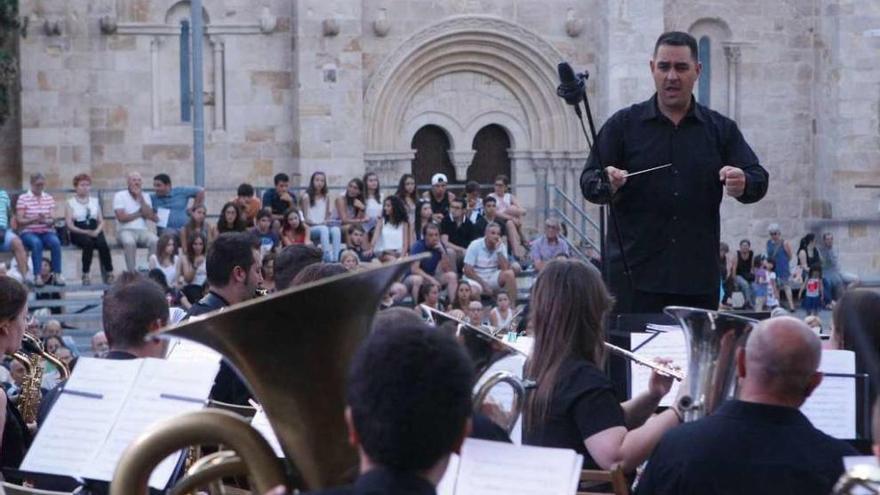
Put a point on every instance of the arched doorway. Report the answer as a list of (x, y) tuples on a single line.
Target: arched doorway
[(491, 159), (432, 155)]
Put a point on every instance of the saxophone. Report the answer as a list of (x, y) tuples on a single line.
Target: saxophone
[(30, 395), (32, 360)]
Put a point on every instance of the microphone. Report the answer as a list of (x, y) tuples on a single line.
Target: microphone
[(571, 86)]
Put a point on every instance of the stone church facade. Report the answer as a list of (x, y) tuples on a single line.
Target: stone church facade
[(466, 86)]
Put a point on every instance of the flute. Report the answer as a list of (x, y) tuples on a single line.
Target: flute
[(659, 368)]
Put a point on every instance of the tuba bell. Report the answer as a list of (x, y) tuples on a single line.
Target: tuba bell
[(293, 349), (859, 479), (711, 339)]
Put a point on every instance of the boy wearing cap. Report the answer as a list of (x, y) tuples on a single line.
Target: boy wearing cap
[(439, 196)]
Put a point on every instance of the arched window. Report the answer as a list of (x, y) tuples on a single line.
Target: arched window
[(704, 90), (432, 154), (491, 158)]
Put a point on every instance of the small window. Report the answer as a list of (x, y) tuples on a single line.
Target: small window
[(704, 91)]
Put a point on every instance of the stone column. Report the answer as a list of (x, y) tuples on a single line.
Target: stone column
[(219, 47), (155, 44), (732, 53), (461, 160)]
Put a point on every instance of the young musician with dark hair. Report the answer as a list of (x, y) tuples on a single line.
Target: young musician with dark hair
[(574, 405), (668, 219), (15, 438), (233, 264), (409, 409), (759, 442)]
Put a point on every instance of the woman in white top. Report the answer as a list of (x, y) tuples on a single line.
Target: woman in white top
[(315, 204), (373, 201), (85, 222), (193, 267), (392, 238), (166, 260)]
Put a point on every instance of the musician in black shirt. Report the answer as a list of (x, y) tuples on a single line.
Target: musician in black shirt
[(668, 219), (233, 265), (574, 405), (759, 442), (409, 404), (15, 438)]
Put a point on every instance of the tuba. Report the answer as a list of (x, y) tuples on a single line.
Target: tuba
[(293, 349), (712, 339), (485, 350), (859, 479)]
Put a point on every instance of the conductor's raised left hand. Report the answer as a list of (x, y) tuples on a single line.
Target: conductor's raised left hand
[(734, 180)]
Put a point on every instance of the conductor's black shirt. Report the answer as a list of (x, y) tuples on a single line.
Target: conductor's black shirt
[(669, 218), (583, 404), (745, 447)]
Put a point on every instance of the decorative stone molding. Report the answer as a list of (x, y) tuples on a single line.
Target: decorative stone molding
[(461, 160), (515, 57), (108, 24), (53, 27), (268, 22), (574, 25), (330, 27), (381, 25), (153, 29), (389, 165)]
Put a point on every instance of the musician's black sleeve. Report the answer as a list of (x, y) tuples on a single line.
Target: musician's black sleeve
[(738, 153), (606, 152)]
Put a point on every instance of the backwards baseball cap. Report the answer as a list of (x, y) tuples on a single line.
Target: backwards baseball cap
[(438, 178)]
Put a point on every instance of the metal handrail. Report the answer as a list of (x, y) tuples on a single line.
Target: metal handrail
[(584, 237), (574, 206)]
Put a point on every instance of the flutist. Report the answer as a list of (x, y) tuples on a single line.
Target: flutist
[(668, 218), (574, 405)]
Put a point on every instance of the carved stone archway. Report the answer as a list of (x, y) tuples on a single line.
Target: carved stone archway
[(515, 63)]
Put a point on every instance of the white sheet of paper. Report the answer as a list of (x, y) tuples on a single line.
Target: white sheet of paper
[(71, 435), (852, 461), (187, 350), (447, 482), (496, 468), (260, 422), (163, 214), (669, 344), (832, 406), (164, 389), (108, 403)]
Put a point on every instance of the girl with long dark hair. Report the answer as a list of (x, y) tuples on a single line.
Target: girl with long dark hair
[(406, 190), (231, 219), (315, 204), (393, 233), (573, 405)]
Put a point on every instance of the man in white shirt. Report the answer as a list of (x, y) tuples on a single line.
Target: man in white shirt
[(133, 207), (486, 267)]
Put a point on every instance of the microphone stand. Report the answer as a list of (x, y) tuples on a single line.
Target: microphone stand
[(606, 185)]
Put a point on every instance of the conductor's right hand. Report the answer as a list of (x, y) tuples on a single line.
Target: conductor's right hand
[(617, 178)]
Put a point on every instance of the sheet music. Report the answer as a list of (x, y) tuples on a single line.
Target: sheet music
[(82, 418), (523, 344), (490, 468), (106, 404), (669, 344), (447, 482), (852, 461), (832, 406), (163, 214), (164, 389), (260, 422), (187, 350)]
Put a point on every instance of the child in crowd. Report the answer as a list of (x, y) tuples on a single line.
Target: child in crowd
[(502, 314), (294, 230), (392, 236), (772, 290), (268, 238), (462, 297), (811, 292), (357, 242), (759, 286), (349, 259), (315, 204)]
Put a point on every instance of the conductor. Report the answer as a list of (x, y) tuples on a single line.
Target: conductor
[(668, 218)]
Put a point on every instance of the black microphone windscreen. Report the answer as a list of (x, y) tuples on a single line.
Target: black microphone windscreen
[(566, 73)]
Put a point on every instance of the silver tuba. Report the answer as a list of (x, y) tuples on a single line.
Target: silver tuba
[(862, 478), (485, 350), (712, 339)]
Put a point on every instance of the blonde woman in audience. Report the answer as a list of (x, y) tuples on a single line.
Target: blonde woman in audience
[(166, 259), (197, 224)]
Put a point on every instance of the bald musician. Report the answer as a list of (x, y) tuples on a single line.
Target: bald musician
[(760, 442)]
